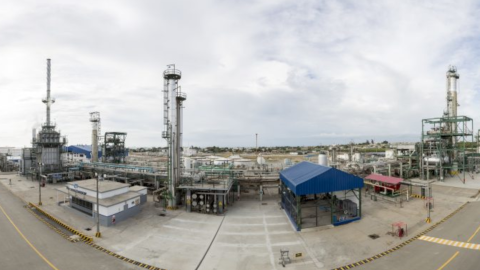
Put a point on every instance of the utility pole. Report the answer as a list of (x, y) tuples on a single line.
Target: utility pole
[(256, 142), (40, 185), (429, 203), (98, 234)]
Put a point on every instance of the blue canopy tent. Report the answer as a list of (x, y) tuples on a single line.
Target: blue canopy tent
[(319, 190)]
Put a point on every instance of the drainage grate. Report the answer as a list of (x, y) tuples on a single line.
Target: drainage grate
[(161, 214), (88, 229), (374, 236)]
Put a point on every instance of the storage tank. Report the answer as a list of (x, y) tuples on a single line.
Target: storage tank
[(322, 160), (261, 160), (221, 161), (243, 162), (357, 157), (187, 162)]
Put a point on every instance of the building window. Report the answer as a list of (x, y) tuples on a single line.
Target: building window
[(82, 203)]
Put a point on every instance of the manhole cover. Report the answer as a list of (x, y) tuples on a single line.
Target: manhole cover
[(374, 236), (264, 203), (88, 229)]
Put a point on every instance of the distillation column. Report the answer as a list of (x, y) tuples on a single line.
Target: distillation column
[(173, 99), (95, 119), (49, 100), (452, 104)]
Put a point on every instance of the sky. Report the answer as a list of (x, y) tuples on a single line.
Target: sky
[(296, 73)]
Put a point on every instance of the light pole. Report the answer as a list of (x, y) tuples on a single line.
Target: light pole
[(429, 203), (40, 165), (98, 234)]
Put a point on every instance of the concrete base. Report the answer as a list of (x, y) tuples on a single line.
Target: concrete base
[(252, 233)]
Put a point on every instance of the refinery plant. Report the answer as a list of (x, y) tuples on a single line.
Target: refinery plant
[(315, 187), (194, 179)]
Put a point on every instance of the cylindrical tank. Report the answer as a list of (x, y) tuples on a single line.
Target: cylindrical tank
[(357, 157), (221, 161), (435, 160), (261, 160), (187, 162), (455, 166), (243, 162), (323, 160)]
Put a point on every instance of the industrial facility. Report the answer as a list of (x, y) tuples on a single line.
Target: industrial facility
[(315, 186)]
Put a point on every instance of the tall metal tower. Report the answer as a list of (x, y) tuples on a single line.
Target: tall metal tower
[(452, 104), (48, 100), (49, 143), (95, 119), (173, 99)]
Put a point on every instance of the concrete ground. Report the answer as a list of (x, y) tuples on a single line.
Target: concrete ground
[(251, 233), (26, 243), (463, 227)]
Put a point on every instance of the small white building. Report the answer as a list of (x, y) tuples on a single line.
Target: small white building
[(117, 201), (188, 152)]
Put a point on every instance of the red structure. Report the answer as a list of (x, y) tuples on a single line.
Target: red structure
[(384, 184)]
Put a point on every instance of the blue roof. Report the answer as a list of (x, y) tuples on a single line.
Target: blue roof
[(83, 149), (309, 178)]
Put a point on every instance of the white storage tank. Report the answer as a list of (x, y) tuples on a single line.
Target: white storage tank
[(187, 162), (261, 160), (221, 161), (323, 160), (243, 162)]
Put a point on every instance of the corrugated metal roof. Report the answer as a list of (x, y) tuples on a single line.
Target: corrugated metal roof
[(383, 178), (83, 149), (309, 178)]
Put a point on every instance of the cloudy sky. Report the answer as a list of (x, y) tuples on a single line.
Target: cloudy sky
[(295, 72)]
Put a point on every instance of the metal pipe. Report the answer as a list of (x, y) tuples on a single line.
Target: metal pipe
[(48, 92)]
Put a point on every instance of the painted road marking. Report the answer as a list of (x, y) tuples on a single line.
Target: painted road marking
[(422, 234), (473, 235), (449, 260), (449, 242), (28, 242)]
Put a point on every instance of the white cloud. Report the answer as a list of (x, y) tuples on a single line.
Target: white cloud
[(297, 73)]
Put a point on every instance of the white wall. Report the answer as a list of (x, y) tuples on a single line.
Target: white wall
[(114, 209)]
